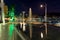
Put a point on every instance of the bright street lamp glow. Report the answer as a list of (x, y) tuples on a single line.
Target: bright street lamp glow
[(41, 5)]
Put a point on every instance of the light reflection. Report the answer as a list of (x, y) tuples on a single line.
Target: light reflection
[(41, 35), (24, 26), (0, 30), (21, 25)]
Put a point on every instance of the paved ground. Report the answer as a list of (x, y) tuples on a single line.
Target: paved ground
[(53, 33)]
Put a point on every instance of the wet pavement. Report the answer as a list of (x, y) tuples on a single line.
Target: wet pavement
[(53, 33)]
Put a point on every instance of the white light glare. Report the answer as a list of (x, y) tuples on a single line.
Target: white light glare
[(41, 35), (41, 5)]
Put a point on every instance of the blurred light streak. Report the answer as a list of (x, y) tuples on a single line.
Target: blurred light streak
[(41, 35)]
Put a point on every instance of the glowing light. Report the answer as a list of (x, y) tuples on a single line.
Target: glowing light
[(21, 25), (11, 28), (24, 27), (41, 5), (41, 35), (11, 12), (57, 24)]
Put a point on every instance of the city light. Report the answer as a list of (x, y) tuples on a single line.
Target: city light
[(11, 26), (11, 12), (57, 24), (26, 21)]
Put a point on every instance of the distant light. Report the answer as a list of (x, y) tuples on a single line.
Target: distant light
[(41, 5), (57, 24)]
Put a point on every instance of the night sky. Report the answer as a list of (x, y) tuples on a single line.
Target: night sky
[(23, 5)]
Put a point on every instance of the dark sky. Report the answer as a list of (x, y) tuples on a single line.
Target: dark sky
[(21, 5)]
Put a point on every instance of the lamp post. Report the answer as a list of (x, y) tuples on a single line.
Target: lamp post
[(45, 16)]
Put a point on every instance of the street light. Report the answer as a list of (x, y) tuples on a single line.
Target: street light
[(45, 16), (41, 5)]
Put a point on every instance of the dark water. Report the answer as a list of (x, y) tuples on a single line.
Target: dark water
[(53, 33)]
